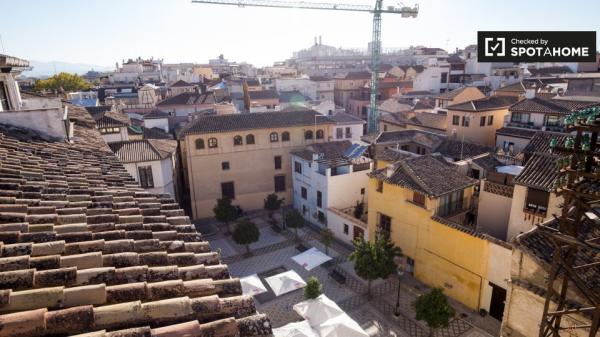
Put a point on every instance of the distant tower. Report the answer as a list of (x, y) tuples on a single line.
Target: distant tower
[(315, 40), (320, 40)]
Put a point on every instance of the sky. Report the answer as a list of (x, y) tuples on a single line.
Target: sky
[(102, 32)]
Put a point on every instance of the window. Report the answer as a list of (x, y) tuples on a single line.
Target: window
[(519, 117), (465, 121), (552, 121), (4, 97), (362, 191), (297, 167), (348, 132), (320, 134), (228, 190), (277, 160), (482, 121), (385, 224), (304, 209), (537, 200), (321, 217), (455, 120), (308, 134), (385, 127), (303, 193), (274, 137), (404, 147), (444, 78), (419, 198), (285, 136), (346, 229), (225, 165), (250, 139), (451, 203), (199, 143), (238, 140), (280, 183), (339, 133), (490, 119), (319, 199), (380, 186), (145, 173), (109, 130), (212, 143)]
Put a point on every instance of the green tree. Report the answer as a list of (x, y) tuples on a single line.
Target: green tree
[(326, 238), (65, 81), (359, 209), (245, 233), (225, 212), (374, 260), (313, 288), (294, 219), (433, 308), (272, 204)]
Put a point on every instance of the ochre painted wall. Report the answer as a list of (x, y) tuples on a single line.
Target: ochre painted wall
[(444, 257)]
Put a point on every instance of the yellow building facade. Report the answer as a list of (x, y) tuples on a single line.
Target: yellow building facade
[(443, 253)]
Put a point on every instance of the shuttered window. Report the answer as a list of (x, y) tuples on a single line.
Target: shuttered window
[(145, 173)]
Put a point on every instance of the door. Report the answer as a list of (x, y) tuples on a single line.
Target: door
[(497, 303), (358, 233)]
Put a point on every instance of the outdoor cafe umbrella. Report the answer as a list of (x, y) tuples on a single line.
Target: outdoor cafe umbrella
[(285, 282), (252, 285), (296, 329), (311, 258), (341, 326), (317, 311)]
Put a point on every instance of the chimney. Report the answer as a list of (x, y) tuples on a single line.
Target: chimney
[(389, 170), (319, 39)]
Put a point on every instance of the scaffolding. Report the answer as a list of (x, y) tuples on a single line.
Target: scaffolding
[(576, 255)]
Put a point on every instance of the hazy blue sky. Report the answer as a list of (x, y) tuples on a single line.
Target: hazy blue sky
[(103, 32)]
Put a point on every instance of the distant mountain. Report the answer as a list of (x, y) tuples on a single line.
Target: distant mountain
[(45, 69)]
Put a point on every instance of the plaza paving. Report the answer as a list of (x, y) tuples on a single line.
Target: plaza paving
[(375, 315)]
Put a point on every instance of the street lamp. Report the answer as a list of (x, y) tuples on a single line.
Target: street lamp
[(400, 262)]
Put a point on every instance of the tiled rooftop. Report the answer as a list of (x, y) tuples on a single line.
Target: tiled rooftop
[(557, 106), (131, 151), (188, 98), (486, 103), (85, 250)]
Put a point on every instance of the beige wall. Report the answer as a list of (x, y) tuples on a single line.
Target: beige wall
[(252, 168), (484, 135), (519, 221)]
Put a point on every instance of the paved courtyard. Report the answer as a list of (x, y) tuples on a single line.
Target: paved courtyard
[(375, 315)]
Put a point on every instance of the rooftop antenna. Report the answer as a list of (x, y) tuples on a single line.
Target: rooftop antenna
[(2, 44)]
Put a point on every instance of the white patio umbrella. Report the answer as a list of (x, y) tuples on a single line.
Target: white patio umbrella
[(252, 285), (318, 310), (311, 258), (296, 329), (341, 326), (285, 282)]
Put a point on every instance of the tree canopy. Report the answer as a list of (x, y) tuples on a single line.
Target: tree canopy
[(272, 203), (374, 260), (433, 308), (313, 288), (65, 81), (245, 233), (294, 219), (225, 212), (326, 238)]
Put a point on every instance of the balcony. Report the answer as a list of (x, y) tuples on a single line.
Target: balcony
[(462, 212), (524, 125)]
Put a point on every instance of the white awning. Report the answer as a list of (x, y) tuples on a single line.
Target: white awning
[(311, 258), (252, 285), (285, 282), (318, 310), (328, 319), (341, 326), (296, 329)]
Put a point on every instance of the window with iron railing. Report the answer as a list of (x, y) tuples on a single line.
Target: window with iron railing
[(537, 200), (385, 224), (452, 203)]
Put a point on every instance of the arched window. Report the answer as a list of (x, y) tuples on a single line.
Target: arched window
[(274, 137), (250, 139), (320, 134), (285, 136), (199, 143), (212, 143), (308, 134), (238, 140)]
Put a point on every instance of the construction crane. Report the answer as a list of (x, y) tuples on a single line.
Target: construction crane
[(404, 11)]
